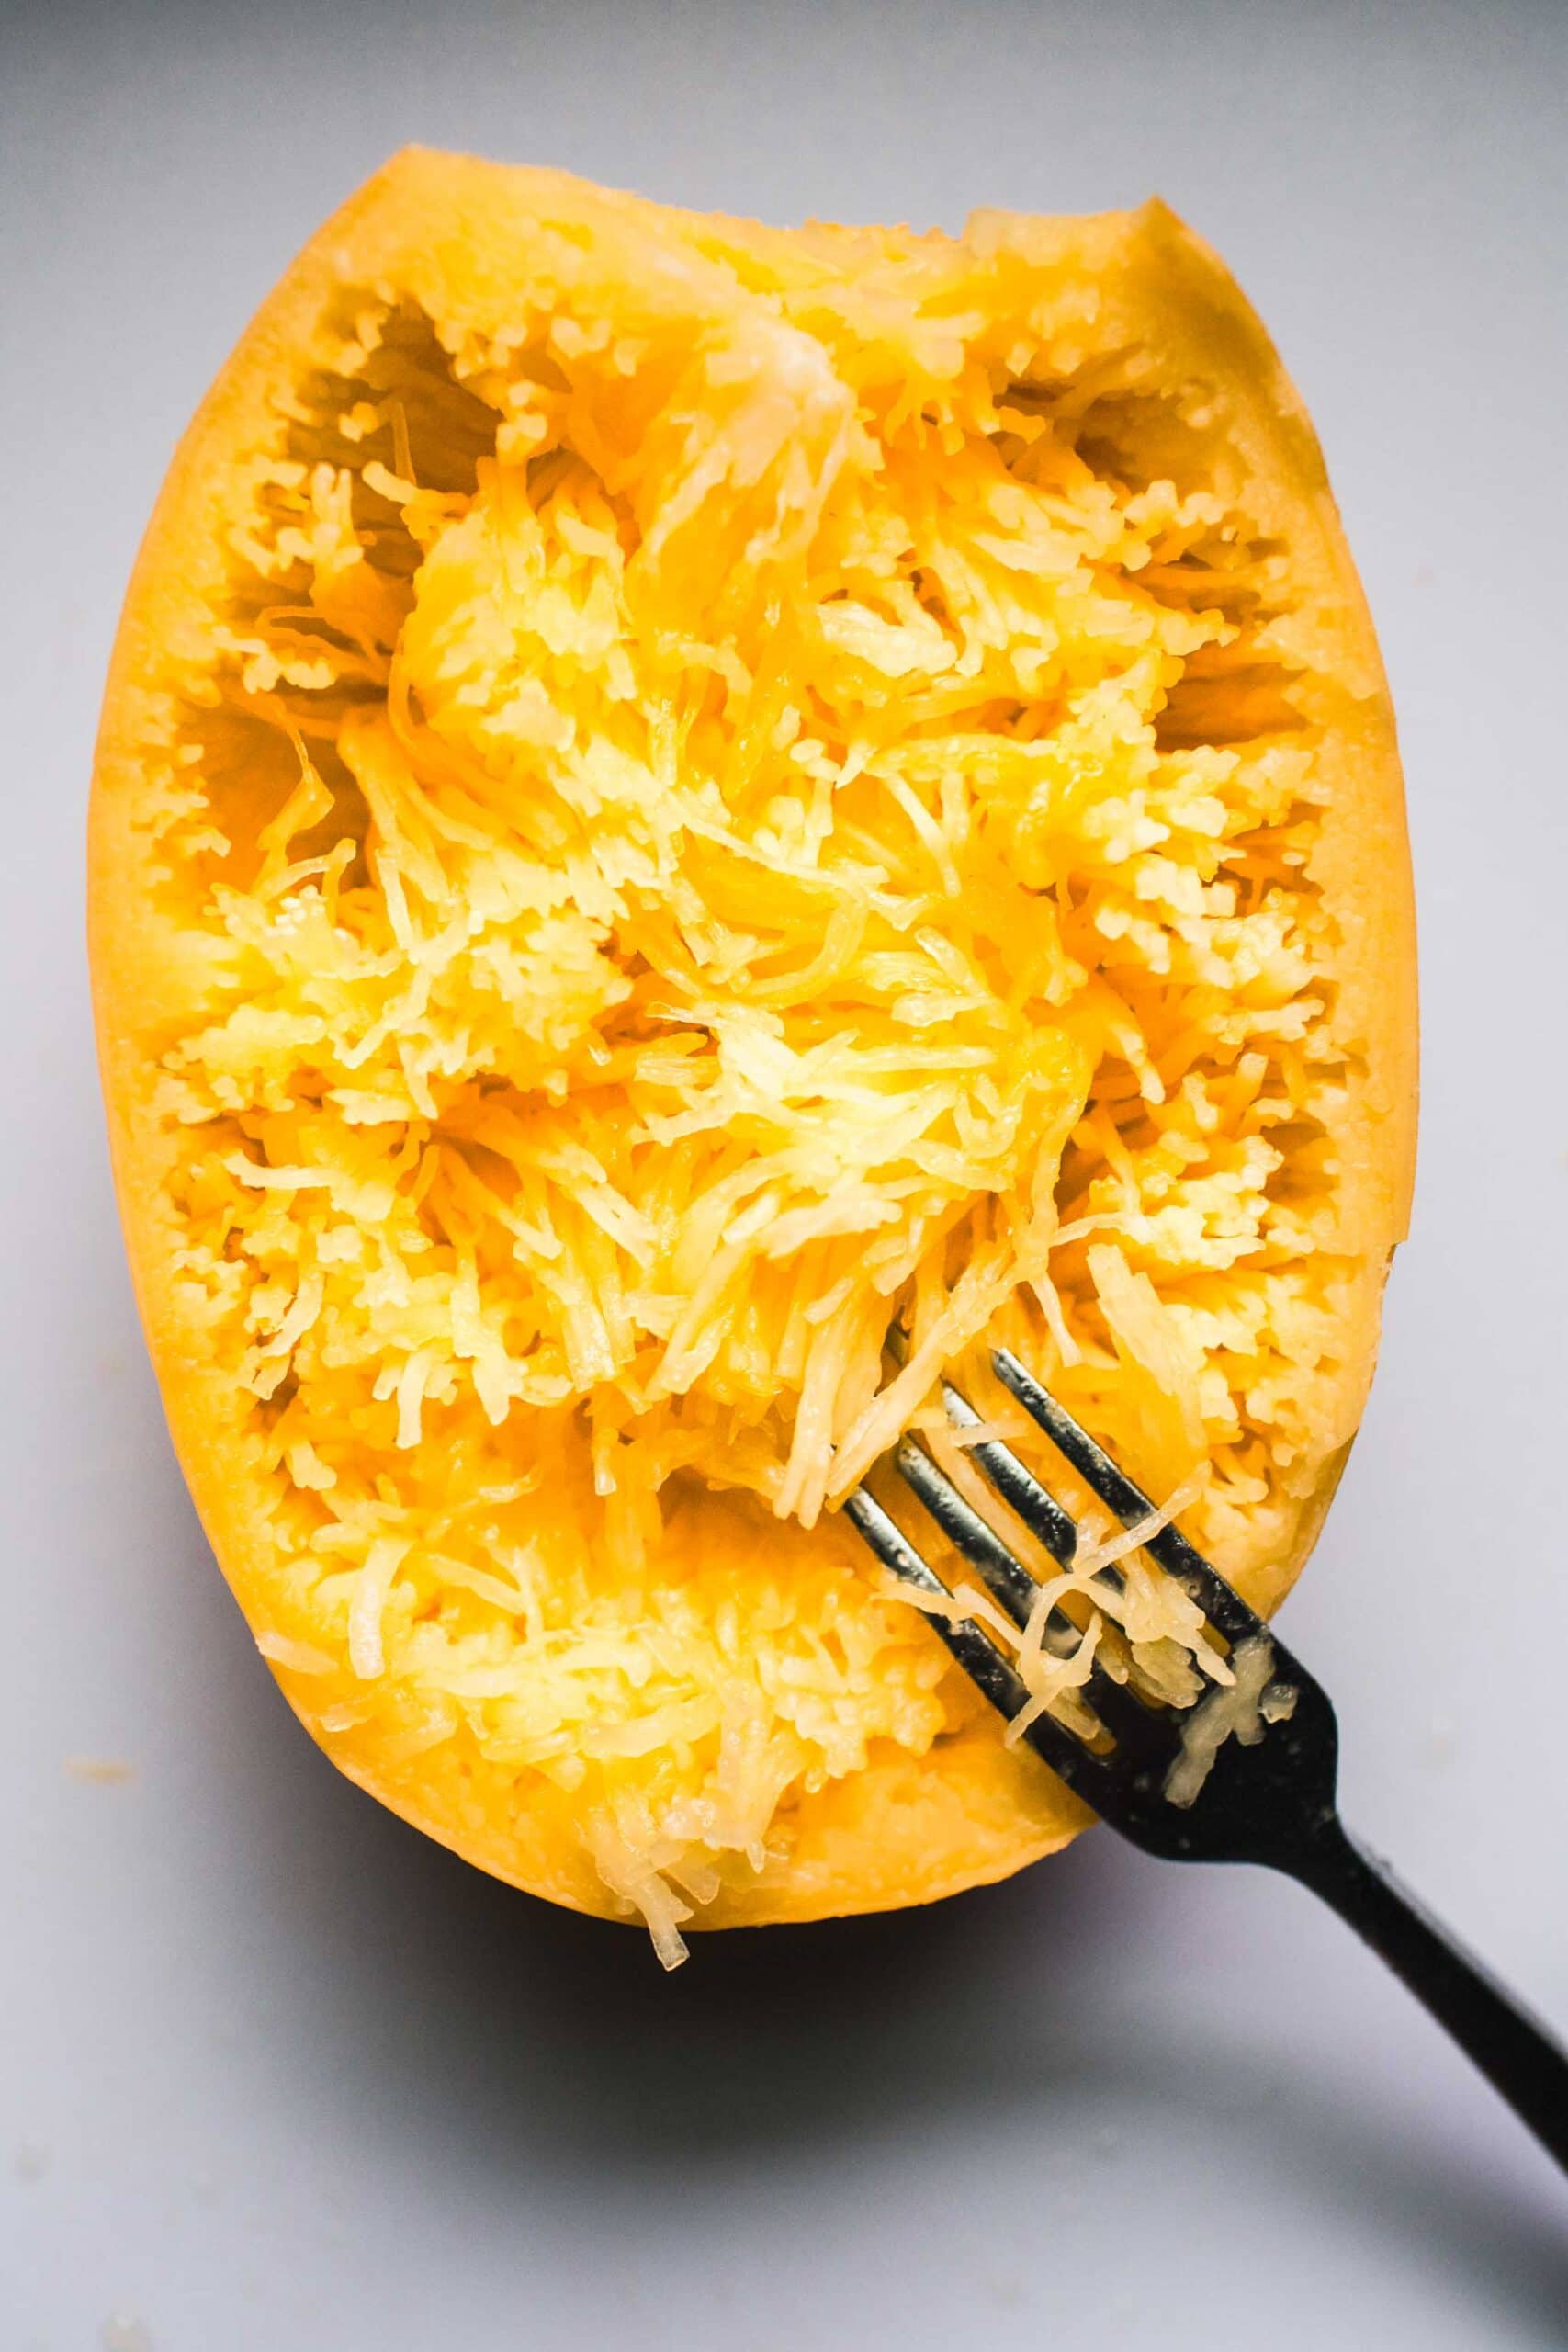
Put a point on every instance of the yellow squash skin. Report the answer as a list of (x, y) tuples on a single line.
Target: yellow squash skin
[(916, 1813)]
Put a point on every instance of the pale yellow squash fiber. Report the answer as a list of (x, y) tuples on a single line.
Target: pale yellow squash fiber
[(672, 793)]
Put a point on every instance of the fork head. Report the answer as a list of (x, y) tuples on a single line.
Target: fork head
[(1245, 1773)]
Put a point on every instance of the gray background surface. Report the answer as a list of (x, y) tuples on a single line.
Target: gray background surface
[(277, 2075)]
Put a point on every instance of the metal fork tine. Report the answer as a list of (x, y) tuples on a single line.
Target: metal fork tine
[(1023, 1493), (980, 1657), (1138, 1731), (1130, 1722), (1124, 1714), (1006, 1577), (1224, 1608)]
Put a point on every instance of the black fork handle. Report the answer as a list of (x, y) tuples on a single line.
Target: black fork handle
[(1515, 2054)]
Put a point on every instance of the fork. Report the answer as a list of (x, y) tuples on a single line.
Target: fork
[(1271, 1801)]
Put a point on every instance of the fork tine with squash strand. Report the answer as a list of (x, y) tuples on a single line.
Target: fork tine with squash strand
[(1012, 1586), (1266, 1795), (1219, 1602), (978, 1655)]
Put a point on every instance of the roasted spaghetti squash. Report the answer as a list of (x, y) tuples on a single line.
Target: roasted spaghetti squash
[(673, 795)]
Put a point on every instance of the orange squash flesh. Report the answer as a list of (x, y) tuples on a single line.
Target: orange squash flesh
[(670, 792)]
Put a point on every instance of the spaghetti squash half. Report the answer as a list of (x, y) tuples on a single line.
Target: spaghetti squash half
[(674, 794)]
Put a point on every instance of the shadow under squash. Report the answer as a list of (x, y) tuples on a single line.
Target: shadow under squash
[(540, 2046)]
